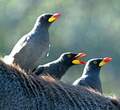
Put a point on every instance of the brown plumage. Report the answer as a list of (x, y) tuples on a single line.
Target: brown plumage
[(19, 91)]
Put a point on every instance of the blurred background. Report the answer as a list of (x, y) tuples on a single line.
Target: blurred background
[(90, 26)]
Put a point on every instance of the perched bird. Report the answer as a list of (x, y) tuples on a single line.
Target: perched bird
[(34, 45), (91, 74), (58, 67)]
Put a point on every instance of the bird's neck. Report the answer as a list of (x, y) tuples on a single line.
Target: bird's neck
[(39, 27), (91, 73), (57, 69)]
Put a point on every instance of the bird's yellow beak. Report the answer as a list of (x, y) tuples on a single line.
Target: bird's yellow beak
[(54, 17), (105, 61), (77, 59)]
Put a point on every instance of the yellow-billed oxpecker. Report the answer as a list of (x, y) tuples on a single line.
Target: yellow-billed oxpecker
[(58, 67), (34, 45), (91, 74)]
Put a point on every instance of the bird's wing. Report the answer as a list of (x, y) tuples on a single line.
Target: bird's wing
[(20, 44)]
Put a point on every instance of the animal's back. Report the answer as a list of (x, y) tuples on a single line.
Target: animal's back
[(19, 91)]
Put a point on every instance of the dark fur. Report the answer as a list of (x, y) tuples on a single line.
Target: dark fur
[(19, 91)]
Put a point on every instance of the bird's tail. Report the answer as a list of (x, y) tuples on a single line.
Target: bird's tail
[(8, 59)]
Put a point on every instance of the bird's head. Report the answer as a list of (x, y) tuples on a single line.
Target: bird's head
[(70, 58), (47, 18), (98, 62)]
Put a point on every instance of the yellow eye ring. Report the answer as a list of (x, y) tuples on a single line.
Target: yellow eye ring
[(69, 55), (95, 62)]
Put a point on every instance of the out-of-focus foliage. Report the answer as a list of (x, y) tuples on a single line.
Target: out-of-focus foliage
[(91, 26)]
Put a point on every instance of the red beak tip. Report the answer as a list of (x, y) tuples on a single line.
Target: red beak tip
[(82, 62), (57, 14), (83, 55), (107, 59)]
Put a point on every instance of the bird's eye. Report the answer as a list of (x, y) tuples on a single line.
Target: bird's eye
[(69, 55), (95, 62)]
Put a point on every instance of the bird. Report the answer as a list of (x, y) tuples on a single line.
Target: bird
[(91, 74), (57, 68), (34, 45)]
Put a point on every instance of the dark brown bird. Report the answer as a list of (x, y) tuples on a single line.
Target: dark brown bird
[(58, 68), (91, 74), (34, 45)]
